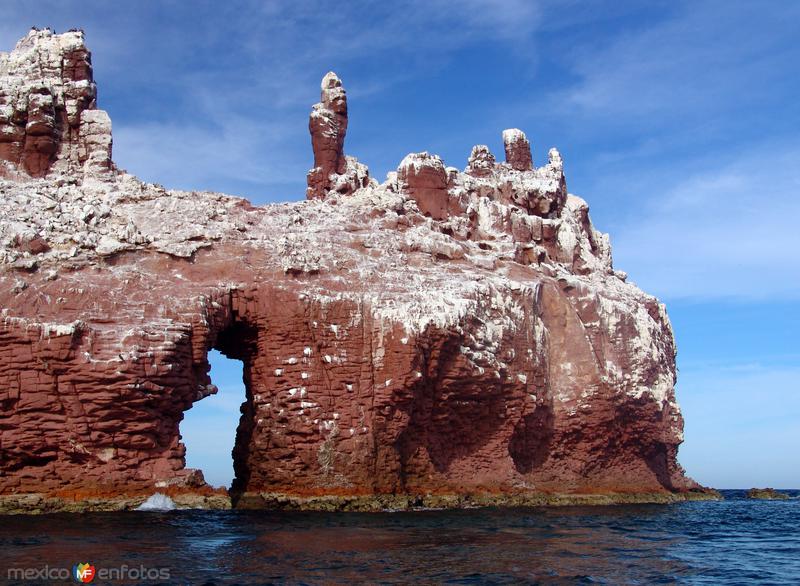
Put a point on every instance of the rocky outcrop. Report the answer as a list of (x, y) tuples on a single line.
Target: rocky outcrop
[(518, 150), (424, 179), (769, 494), (333, 170), (48, 116), (481, 162), (439, 335)]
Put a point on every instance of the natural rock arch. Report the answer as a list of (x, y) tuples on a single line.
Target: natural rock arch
[(238, 341), (444, 332)]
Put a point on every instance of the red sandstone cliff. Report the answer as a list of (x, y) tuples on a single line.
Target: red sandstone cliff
[(444, 332)]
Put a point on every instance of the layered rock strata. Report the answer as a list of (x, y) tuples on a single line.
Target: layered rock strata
[(442, 335)]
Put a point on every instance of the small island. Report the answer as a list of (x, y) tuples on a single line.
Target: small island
[(766, 494)]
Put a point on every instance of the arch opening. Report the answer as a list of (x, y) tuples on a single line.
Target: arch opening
[(209, 427)]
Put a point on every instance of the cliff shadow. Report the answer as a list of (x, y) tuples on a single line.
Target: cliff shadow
[(530, 442), (452, 414)]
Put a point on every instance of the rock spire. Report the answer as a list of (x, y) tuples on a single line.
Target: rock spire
[(333, 170)]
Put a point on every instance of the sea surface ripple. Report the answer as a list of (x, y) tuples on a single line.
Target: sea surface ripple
[(735, 541)]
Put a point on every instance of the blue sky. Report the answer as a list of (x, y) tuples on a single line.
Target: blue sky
[(678, 122)]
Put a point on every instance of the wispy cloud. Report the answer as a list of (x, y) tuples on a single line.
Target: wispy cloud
[(206, 156), (701, 60), (728, 232), (208, 94)]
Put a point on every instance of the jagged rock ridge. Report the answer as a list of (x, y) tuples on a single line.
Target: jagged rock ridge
[(443, 332), (48, 115)]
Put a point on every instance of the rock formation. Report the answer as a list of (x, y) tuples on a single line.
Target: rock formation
[(333, 170), (768, 494), (481, 162), (48, 115), (441, 334), (424, 178), (518, 150)]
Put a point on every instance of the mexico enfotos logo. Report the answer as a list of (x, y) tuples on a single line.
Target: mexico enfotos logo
[(83, 573), (86, 572)]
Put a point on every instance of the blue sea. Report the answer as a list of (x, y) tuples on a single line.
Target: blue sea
[(735, 541)]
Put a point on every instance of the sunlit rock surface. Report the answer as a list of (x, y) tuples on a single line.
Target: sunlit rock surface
[(441, 333), (333, 170)]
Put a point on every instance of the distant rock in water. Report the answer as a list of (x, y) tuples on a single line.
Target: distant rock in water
[(766, 494), (157, 502), (461, 334)]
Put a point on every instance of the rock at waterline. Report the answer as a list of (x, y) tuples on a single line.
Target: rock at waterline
[(766, 494)]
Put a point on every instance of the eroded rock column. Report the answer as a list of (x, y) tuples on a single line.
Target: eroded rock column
[(518, 150), (333, 170), (481, 161)]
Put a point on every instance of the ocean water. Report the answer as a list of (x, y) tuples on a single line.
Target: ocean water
[(736, 541)]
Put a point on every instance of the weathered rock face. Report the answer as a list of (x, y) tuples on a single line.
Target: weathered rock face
[(423, 177), (518, 150), (442, 332), (48, 116), (333, 170), (481, 162)]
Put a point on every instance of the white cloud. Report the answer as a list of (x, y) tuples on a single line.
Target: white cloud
[(729, 232), (505, 19), (208, 95), (698, 61), (241, 116), (195, 157)]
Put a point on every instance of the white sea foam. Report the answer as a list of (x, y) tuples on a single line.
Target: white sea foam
[(157, 502)]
